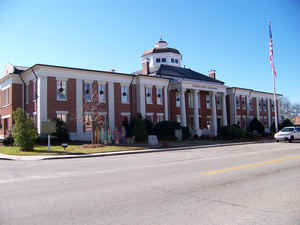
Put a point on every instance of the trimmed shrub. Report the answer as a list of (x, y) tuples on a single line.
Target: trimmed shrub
[(8, 141), (256, 125), (61, 134), (139, 128), (231, 132), (24, 133), (165, 130)]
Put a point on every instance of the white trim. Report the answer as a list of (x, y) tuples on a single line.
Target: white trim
[(6, 87), (125, 113), (5, 117), (149, 114), (62, 112), (159, 114)]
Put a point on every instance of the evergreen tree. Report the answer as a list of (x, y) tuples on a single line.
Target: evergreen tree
[(24, 132)]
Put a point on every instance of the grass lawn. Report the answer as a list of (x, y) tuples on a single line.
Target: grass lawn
[(78, 149), (58, 150)]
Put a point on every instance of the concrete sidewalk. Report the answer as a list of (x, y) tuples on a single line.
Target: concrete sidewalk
[(150, 150)]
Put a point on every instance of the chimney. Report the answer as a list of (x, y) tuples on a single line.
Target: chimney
[(212, 74), (146, 70)]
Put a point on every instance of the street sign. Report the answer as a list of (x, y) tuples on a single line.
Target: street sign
[(48, 127)]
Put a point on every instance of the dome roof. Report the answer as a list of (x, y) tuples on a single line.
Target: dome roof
[(161, 50), (161, 47)]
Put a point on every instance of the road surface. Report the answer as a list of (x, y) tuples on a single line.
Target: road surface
[(238, 185)]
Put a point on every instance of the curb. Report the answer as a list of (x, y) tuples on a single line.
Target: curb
[(33, 158)]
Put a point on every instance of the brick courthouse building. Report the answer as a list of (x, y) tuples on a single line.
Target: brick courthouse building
[(161, 90)]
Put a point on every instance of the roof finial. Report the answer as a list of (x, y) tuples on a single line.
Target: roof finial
[(161, 36)]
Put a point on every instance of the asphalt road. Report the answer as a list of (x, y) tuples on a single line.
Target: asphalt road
[(238, 185)]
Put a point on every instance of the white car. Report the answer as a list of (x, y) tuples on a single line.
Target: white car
[(288, 134)]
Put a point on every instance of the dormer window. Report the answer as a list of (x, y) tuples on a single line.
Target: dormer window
[(158, 60), (176, 61), (172, 60), (163, 60)]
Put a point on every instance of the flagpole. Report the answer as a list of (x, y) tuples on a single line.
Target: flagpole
[(274, 76), (275, 105)]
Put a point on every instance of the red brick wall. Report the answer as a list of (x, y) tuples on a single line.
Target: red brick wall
[(69, 105)]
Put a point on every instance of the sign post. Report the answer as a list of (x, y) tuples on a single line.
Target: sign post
[(48, 127)]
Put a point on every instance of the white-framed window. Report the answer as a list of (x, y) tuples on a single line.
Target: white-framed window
[(149, 116), (62, 116), (159, 96), (265, 104), (101, 92), (149, 95), (208, 102), (34, 95), (260, 104), (157, 60), (125, 94), (244, 102), (5, 97), (27, 92), (237, 102), (172, 60), (163, 60), (177, 99), (125, 116), (191, 100), (219, 101), (61, 90), (250, 104), (88, 91), (160, 117), (176, 61)]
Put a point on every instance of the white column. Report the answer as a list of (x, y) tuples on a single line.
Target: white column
[(269, 114), (214, 114), (166, 103), (196, 113), (111, 105), (182, 107), (257, 108), (224, 109), (79, 107), (41, 102), (141, 99)]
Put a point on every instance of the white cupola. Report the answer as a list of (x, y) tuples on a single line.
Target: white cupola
[(161, 54)]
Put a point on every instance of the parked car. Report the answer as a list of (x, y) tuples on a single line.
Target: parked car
[(288, 134)]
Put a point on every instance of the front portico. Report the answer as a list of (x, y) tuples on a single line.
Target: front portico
[(193, 107)]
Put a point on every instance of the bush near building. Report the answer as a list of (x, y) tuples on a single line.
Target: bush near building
[(24, 133), (231, 132), (256, 126), (165, 130)]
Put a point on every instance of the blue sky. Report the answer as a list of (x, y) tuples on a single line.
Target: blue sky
[(229, 36)]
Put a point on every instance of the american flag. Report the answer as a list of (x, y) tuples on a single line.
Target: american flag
[(271, 52)]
